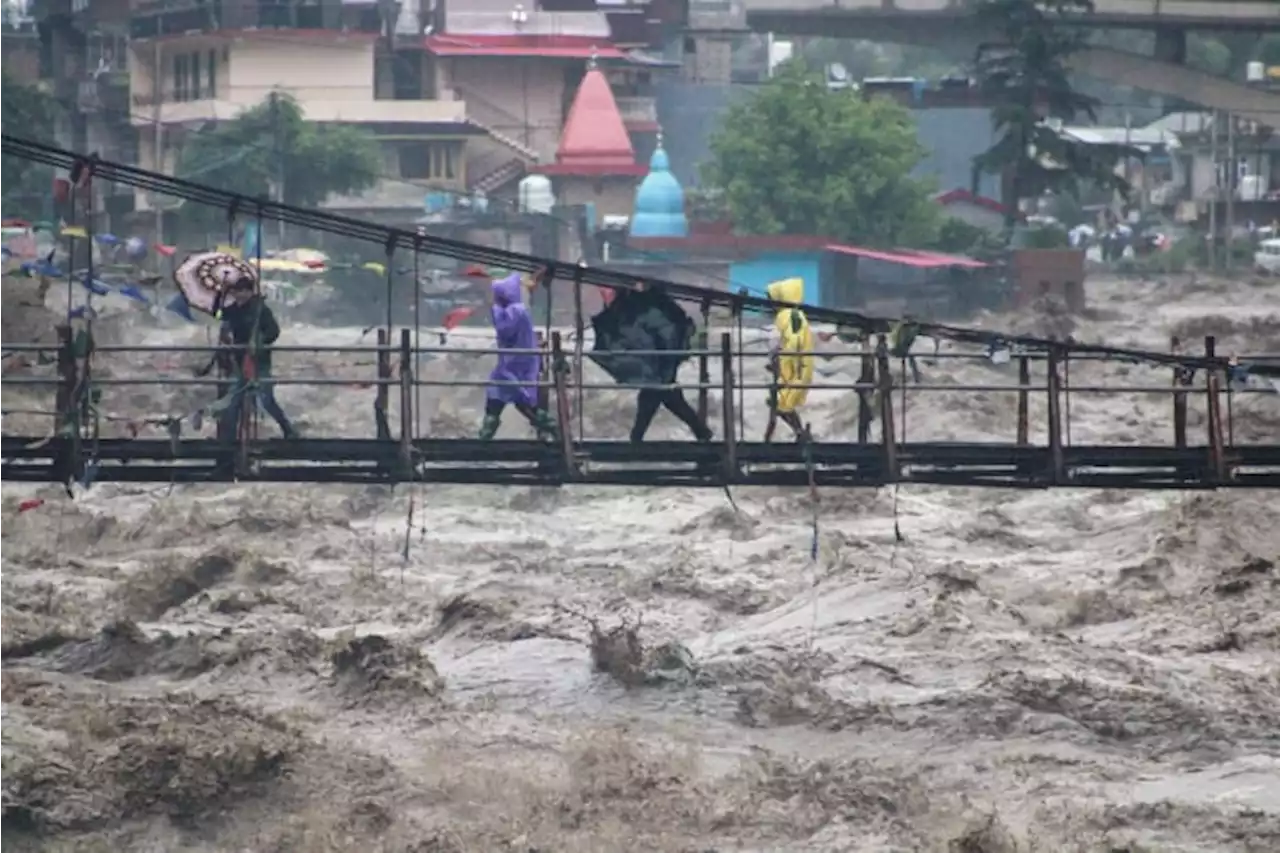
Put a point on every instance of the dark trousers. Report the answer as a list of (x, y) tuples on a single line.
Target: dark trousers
[(229, 423), (652, 399)]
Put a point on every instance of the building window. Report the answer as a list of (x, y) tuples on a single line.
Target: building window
[(180, 78), (213, 74), (195, 76), (430, 161)]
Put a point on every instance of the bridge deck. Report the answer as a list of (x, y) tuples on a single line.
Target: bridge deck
[(657, 463), (1010, 425)]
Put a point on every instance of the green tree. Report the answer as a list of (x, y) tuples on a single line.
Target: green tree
[(252, 152), (1026, 77), (798, 158), (30, 113)]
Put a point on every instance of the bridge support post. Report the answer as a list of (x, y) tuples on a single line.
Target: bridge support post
[(1057, 472), (406, 404), (559, 369), (704, 363), (1181, 379), (885, 394), (66, 405), (380, 395), (1024, 401), (1217, 464), (867, 376), (726, 399), (579, 331)]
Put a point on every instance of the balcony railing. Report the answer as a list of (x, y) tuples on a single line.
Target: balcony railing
[(314, 109), (176, 17)]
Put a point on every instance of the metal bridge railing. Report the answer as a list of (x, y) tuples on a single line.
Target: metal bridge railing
[(881, 392)]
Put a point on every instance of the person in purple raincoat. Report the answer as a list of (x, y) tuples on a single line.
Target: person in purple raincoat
[(514, 327)]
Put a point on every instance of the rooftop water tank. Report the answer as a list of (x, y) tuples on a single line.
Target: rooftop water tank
[(536, 194)]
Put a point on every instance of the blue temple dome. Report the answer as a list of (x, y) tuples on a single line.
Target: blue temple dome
[(659, 209)]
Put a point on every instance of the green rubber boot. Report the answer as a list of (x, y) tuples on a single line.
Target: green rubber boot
[(489, 427), (546, 427)]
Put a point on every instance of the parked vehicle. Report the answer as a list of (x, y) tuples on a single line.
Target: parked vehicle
[(1267, 258)]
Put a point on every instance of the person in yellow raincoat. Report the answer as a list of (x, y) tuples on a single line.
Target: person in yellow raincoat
[(792, 362)]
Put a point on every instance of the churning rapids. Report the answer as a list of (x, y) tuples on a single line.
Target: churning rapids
[(258, 668)]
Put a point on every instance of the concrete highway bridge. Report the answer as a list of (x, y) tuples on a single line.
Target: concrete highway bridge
[(951, 22)]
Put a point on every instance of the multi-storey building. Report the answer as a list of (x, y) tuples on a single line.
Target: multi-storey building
[(518, 66), (75, 50), (196, 62)]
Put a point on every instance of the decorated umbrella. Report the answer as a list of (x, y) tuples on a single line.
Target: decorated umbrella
[(205, 280)]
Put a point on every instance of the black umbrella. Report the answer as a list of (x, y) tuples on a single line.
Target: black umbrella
[(641, 321)]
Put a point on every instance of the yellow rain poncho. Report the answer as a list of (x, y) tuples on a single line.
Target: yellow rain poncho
[(795, 372)]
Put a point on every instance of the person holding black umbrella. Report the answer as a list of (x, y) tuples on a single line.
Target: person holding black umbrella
[(640, 321)]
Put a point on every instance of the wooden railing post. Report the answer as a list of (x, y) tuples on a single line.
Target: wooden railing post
[(1024, 401), (579, 341), (1180, 381), (888, 437), (66, 402), (730, 435), (406, 403), (704, 362), (559, 367), (1217, 466), (867, 376), (381, 395), (1053, 385)]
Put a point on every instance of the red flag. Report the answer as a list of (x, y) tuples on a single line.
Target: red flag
[(314, 264), (456, 316), (30, 503), (167, 251), (476, 271)]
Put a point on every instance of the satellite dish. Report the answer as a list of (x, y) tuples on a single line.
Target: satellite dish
[(838, 76)]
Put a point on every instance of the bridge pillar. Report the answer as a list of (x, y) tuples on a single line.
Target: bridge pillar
[(1171, 45)]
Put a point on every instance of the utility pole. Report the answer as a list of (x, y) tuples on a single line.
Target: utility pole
[(1215, 122), (278, 142), (1232, 171), (157, 130)]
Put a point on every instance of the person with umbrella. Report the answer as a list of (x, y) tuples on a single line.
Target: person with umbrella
[(225, 286), (514, 380), (252, 328), (633, 325)]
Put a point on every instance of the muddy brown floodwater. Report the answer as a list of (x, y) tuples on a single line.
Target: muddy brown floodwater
[(261, 668)]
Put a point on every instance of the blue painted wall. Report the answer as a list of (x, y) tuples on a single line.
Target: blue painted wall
[(759, 272)]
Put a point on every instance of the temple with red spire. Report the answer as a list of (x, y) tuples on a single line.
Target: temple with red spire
[(595, 161)]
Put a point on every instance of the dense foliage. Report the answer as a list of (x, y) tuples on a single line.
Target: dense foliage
[(252, 152), (1025, 75), (799, 158), (29, 113)]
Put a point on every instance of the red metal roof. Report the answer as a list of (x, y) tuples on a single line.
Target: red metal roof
[(594, 140), (545, 46), (953, 260), (906, 260)]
